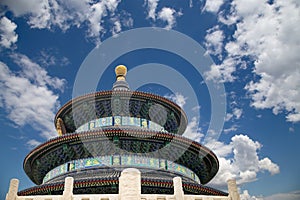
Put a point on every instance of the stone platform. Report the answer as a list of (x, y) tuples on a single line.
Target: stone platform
[(129, 189)]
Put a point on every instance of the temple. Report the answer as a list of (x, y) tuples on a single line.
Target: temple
[(121, 144)]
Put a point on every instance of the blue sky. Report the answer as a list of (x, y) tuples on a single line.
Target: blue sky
[(253, 45)]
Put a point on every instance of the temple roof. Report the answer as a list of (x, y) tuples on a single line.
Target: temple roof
[(144, 105), (168, 146)]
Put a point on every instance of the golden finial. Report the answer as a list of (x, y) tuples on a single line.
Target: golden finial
[(121, 72)]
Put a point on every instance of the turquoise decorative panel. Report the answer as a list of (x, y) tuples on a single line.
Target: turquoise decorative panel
[(90, 162), (117, 120), (125, 121), (116, 160), (144, 123), (92, 125), (124, 160)]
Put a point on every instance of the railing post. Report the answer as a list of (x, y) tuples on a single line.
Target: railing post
[(13, 190), (178, 191), (232, 189), (130, 184), (68, 189)]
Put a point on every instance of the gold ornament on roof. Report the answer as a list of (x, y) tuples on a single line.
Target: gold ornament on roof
[(121, 72), (59, 126)]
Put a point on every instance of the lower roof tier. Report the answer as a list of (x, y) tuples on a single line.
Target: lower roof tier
[(148, 144), (151, 183)]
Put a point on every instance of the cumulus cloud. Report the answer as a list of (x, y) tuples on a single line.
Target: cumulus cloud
[(117, 27), (38, 10), (97, 11), (222, 72), (236, 114), (27, 95), (168, 15), (213, 5), (214, 41), (246, 196), (267, 38), (192, 131), (239, 159), (151, 8), (37, 75), (49, 14), (177, 98), (8, 36)]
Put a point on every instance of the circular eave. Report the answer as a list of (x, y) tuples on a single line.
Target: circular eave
[(55, 152), (83, 109)]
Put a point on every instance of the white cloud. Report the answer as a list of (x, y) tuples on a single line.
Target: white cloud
[(220, 149), (213, 5), (97, 11), (117, 27), (222, 72), (192, 131), (36, 74), (228, 117), (112, 5), (237, 112), (266, 35), (246, 196), (152, 5), (26, 96), (32, 143), (231, 129), (24, 7), (95, 17), (168, 15), (126, 20), (266, 164), (191, 3), (291, 129), (214, 41), (177, 98), (8, 36), (38, 10), (295, 195), (239, 159), (50, 57), (293, 117), (49, 14)]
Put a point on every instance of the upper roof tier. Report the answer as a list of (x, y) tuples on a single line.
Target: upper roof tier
[(118, 104)]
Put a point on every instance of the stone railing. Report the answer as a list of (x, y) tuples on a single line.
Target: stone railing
[(129, 189)]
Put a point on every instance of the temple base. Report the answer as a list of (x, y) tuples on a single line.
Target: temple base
[(129, 189)]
